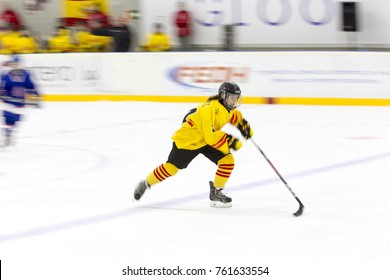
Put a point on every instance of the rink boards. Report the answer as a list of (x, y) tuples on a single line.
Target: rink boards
[(309, 78)]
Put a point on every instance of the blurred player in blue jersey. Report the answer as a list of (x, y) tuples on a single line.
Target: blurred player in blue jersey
[(17, 91)]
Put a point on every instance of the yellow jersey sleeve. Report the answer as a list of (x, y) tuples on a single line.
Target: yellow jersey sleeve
[(236, 117)]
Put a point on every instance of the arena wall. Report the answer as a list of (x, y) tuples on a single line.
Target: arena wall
[(315, 78)]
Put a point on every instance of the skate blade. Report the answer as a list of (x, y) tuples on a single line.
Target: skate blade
[(218, 204), (136, 200)]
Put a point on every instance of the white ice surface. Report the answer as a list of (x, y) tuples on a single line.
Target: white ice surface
[(66, 209)]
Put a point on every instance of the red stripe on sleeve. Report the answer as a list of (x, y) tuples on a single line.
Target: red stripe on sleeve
[(221, 142), (233, 119)]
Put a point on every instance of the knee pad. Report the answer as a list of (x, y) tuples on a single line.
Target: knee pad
[(228, 159), (172, 169)]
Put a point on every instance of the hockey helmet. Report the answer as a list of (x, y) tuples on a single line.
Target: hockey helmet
[(13, 61), (230, 95), (15, 58)]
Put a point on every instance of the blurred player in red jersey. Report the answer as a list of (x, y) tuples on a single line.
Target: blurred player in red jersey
[(183, 23)]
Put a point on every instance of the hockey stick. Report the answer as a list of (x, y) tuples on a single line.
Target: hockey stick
[(24, 102), (301, 206)]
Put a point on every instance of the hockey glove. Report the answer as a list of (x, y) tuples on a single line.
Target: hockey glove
[(245, 129), (33, 101), (233, 143)]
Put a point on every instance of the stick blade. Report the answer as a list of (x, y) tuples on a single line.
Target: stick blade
[(300, 210)]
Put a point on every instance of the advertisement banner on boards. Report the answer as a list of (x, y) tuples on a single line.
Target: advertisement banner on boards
[(281, 74), (65, 73), (259, 74)]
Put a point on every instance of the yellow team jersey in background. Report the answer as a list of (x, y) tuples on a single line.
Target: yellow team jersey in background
[(158, 42), (25, 44), (203, 127)]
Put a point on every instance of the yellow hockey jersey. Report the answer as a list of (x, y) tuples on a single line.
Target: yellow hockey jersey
[(202, 126), (158, 42)]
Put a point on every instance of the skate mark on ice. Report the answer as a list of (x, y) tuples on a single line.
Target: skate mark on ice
[(99, 162), (151, 207)]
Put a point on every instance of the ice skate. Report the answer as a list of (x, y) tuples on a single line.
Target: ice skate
[(7, 141), (218, 199), (140, 189)]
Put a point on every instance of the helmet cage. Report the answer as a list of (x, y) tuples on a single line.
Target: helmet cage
[(225, 91)]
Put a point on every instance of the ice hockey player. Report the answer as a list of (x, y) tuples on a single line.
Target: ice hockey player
[(201, 133), (17, 91)]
